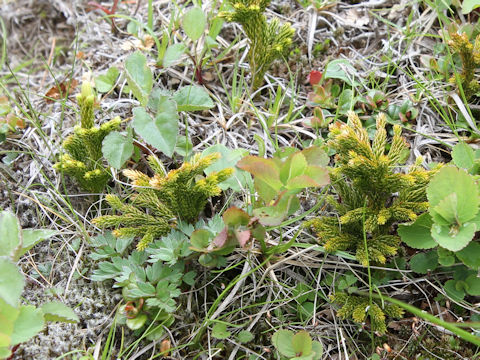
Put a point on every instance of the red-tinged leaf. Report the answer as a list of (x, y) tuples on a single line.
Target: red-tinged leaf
[(60, 90), (200, 239), (221, 239), (316, 156), (234, 216), (314, 77), (300, 182), (319, 174), (243, 237), (263, 169)]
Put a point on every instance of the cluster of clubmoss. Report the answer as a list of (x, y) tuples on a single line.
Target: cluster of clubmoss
[(83, 158), (370, 193), (470, 56), (162, 200), (268, 40)]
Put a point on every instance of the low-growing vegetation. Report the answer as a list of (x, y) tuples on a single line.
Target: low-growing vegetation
[(242, 179)]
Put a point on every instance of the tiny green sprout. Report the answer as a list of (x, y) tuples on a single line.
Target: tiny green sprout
[(297, 346)]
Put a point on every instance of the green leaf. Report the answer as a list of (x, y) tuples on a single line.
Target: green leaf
[(317, 348), (336, 69), (139, 76), (11, 283), (137, 322), (104, 83), (470, 255), (302, 343), (8, 316), (58, 311), (28, 324), (463, 155), (453, 238), (469, 5), (193, 98), (452, 292), (194, 22), (229, 157), (445, 257), (10, 233), (160, 132), (117, 149), (294, 166), (245, 336), (173, 53), (445, 213), (422, 263), (234, 216), (417, 235), (282, 340), (473, 285), (32, 237), (265, 170), (200, 239), (219, 331), (452, 180)]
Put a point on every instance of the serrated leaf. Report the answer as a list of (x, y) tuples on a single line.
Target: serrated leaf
[(219, 331), (160, 132), (117, 149), (282, 340), (173, 53), (463, 155), (453, 238), (10, 232), (194, 22), (422, 263), (417, 235), (58, 311), (193, 98), (11, 283), (104, 83), (28, 324), (245, 336), (139, 76), (470, 255)]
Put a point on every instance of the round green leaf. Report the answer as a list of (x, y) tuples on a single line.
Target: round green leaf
[(469, 5), (173, 53), (452, 180), (117, 149), (417, 235), (137, 322), (445, 257), (245, 336), (282, 340), (194, 22), (473, 285), (463, 155), (453, 239), (28, 323), (452, 291), (424, 262), (11, 283), (470, 255), (302, 343)]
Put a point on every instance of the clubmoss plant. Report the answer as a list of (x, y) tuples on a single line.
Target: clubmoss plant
[(370, 191), (162, 200), (83, 158), (357, 308), (268, 40), (470, 57)]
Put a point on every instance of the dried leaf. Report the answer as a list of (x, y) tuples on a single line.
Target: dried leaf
[(60, 90)]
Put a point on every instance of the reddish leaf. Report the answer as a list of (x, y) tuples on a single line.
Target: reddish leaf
[(234, 216), (60, 90), (242, 237), (314, 77), (263, 169), (221, 239)]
